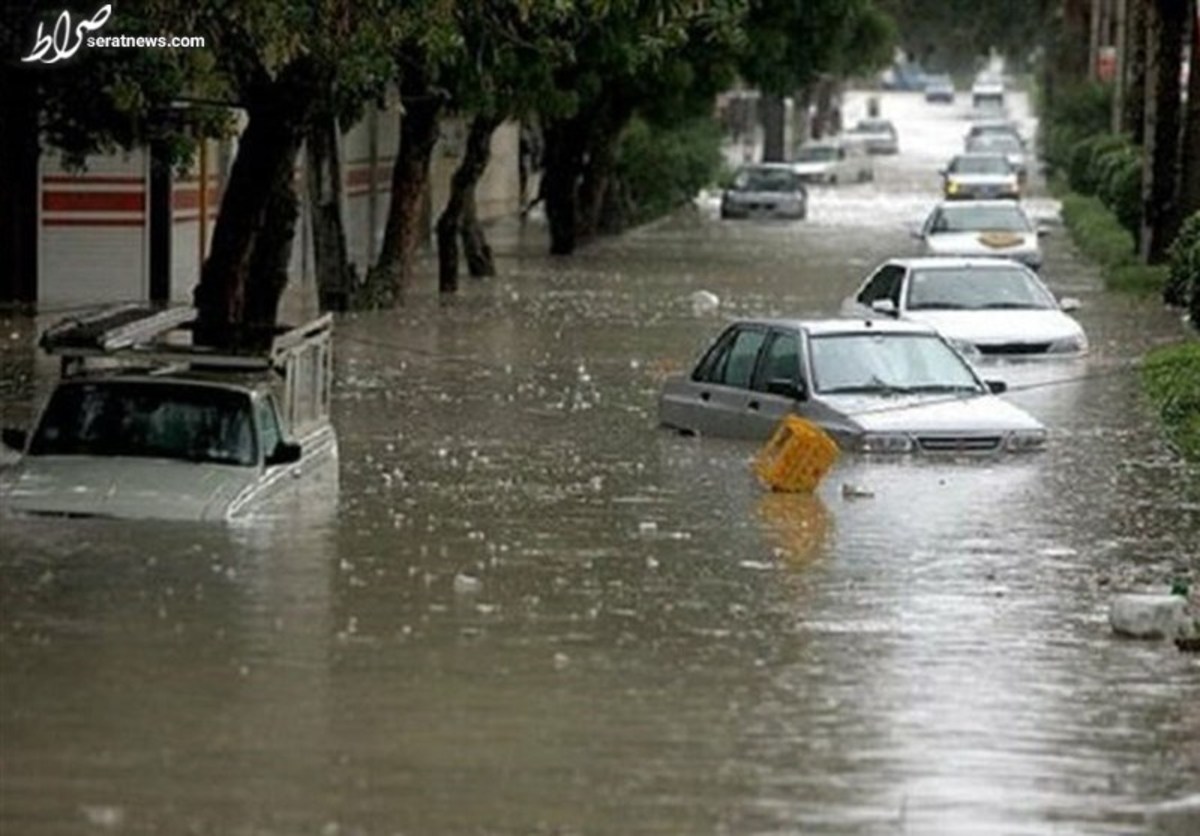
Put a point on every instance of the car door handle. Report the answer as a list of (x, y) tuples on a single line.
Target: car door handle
[(704, 396), (753, 405)]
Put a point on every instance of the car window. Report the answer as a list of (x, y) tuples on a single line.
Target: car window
[(885, 284), (998, 215), (780, 360), (738, 365), (977, 288), (714, 358), (848, 363)]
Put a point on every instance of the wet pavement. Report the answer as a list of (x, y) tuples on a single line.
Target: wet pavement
[(528, 610)]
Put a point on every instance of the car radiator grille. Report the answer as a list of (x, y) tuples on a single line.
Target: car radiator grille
[(958, 443), (1014, 348)]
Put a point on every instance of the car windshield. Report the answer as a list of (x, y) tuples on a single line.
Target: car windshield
[(765, 180), (995, 142), (1002, 216), (874, 126), (982, 164), (147, 420), (977, 288), (887, 364), (816, 154)]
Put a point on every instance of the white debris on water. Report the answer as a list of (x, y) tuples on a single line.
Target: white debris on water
[(1149, 616), (465, 584), (651, 564), (705, 302), (105, 816), (561, 660), (647, 527)]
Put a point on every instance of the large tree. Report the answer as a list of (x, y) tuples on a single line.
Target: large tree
[(1166, 23)]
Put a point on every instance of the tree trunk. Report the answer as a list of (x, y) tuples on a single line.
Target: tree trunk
[(560, 178), (603, 141), (403, 230), (773, 128), (462, 185), (1189, 186), (1134, 117), (336, 277), (480, 262), (20, 151), (255, 210), (1160, 176), (1121, 39)]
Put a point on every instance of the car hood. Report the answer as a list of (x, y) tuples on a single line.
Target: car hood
[(756, 196), (813, 167), (981, 242), (125, 488), (932, 413), (1000, 326), (983, 179)]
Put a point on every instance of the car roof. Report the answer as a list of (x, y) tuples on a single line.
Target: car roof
[(843, 325), (981, 155), (766, 167), (951, 262), (244, 383), (980, 204)]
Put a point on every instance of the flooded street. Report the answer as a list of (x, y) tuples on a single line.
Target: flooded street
[(528, 610)]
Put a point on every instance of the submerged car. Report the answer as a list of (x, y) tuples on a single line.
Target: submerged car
[(979, 228), (939, 88), (166, 430), (984, 307), (833, 161), (878, 135), (765, 190), (875, 385), (980, 177)]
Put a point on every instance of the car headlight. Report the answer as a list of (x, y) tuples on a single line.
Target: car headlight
[(885, 443), (951, 187), (1069, 345), (1024, 441)]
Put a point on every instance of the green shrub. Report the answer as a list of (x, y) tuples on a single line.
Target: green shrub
[(1082, 171), (1119, 185), (1072, 115), (1097, 232), (1136, 278), (662, 168), (1171, 379), (1183, 282)]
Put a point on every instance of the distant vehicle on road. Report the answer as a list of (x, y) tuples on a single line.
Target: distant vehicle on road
[(939, 89), (984, 307), (833, 161), (1001, 143), (162, 429), (765, 190), (903, 76), (879, 135), (981, 228), (989, 127), (980, 177), (987, 91), (876, 386)]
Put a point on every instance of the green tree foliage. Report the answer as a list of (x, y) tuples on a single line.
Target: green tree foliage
[(949, 35)]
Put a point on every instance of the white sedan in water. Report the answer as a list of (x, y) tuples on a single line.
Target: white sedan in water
[(989, 307), (981, 228), (875, 385)]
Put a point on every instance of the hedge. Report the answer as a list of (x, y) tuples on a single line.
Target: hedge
[(1171, 379)]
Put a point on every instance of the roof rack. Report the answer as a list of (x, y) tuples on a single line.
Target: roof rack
[(145, 336)]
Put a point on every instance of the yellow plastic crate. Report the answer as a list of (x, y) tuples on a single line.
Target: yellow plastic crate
[(797, 456)]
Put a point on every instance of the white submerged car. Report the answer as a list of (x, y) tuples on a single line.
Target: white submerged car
[(876, 386), (167, 431), (984, 307), (981, 229), (833, 161)]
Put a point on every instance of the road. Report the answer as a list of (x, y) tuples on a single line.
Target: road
[(528, 610)]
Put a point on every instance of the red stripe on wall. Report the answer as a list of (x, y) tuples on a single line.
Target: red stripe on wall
[(106, 179), (190, 198), (140, 222), (93, 201)]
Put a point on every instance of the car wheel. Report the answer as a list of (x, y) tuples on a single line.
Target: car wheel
[(833, 179)]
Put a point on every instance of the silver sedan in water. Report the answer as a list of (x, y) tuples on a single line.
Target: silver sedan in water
[(877, 386)]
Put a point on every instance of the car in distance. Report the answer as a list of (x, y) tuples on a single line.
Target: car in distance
[(984, 307), (987, 127), (981, 228), (875, 385), (765, 190), (980, 177), (833, 161), (1001, 143), (878, 135), (169, 431), (939, 88)]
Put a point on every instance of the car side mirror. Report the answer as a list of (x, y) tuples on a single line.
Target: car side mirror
[(1042, 231), (943, 171), (786, 388), (884, 306), (14, 438), (1069, 303), (997, 387), (285, 452)]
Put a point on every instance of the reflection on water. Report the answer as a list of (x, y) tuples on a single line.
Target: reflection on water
[(521, 608)]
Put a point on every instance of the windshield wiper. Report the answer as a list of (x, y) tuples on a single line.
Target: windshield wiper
[(874, 385), (1013, 306), (944, 387), (936, 306)]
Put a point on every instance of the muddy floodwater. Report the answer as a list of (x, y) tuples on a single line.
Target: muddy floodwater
[(521, 608)]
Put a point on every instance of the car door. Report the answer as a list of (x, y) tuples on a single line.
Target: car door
[(715, 398), (779, 363)]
